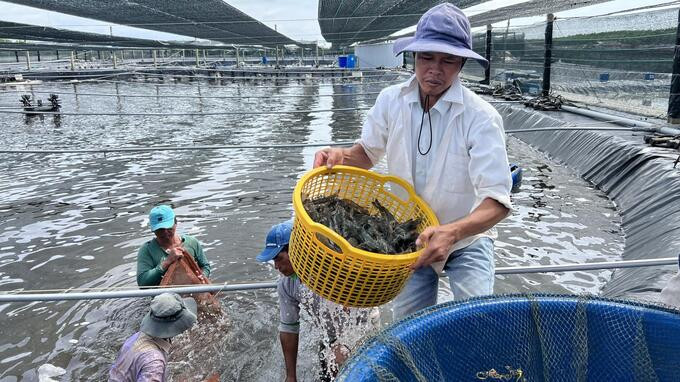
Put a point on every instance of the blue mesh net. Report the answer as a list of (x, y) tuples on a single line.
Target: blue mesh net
[(525, 338)]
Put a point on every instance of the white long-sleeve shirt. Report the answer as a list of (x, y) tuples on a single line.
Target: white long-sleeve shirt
[(467, 162)]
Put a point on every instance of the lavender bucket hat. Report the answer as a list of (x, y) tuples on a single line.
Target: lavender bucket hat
[(443, 29)]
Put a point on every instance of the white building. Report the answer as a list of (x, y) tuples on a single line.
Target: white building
[(375, 55)]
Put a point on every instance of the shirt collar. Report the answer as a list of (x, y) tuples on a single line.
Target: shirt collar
[(162, 343), (453, 95)]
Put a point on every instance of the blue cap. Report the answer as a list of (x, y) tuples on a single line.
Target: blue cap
[(277, 238), (161, 217), (442, 29)]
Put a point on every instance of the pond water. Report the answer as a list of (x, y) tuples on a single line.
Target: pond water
[(70, 221)]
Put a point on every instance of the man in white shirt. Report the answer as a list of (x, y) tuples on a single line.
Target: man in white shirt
[(450, 145)]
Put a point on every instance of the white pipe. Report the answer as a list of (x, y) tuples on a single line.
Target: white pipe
[(14, 297), (588, 266), (148, 292), (605, 117), (565, 128)]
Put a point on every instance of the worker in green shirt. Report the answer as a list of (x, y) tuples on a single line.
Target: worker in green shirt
[(156, 255)]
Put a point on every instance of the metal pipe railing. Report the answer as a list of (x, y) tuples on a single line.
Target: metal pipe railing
[(149, 292)]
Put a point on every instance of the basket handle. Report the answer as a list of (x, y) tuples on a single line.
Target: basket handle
[(327, 233), (399, 181)]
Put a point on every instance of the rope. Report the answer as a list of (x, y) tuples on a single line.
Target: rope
[(270, 75), (249, 86), (290, 145), (176, 148), (274, 112), (194, 96), (29, 295)]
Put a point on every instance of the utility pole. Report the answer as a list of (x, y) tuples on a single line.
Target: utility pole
[(487, 70), (674, 99), (548, 54)]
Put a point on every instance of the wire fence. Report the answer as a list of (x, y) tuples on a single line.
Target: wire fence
[(620, 60)]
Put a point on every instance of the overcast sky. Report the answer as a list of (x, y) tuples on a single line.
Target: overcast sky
[(294, 18)]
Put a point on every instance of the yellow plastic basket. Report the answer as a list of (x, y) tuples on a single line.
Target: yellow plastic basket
[(352, 277)]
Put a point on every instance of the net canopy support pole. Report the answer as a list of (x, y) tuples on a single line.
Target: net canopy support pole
[(155, 61), (316, 61), (238, 57), (196, 56), (16, 54), (113, 57), (57, 53), (487, 71), (73, 61), (277, 55), (674, 99), (28, 60), (38, 53), (548, 54)]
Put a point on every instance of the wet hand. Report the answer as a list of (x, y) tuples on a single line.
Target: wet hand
[(329, 157), (437, 242), (173, 254), (341, 353)]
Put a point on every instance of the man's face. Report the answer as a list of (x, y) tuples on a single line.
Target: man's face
[(282, 263), (435, 72), (165, 235)]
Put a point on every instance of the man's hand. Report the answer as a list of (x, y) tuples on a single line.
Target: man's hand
[(438, 242), (174, 254), (341, 353), (329, 157)]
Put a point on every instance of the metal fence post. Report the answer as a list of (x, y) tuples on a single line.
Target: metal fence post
[(487, 70), (155, 63), (28, 60), (196, 54), (548, 55), (674, 99)]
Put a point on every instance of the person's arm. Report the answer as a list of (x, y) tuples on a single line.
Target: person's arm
[(289, 325), (352, 156), (152, 371), (440, 239), (148, 273), (289, 346)]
